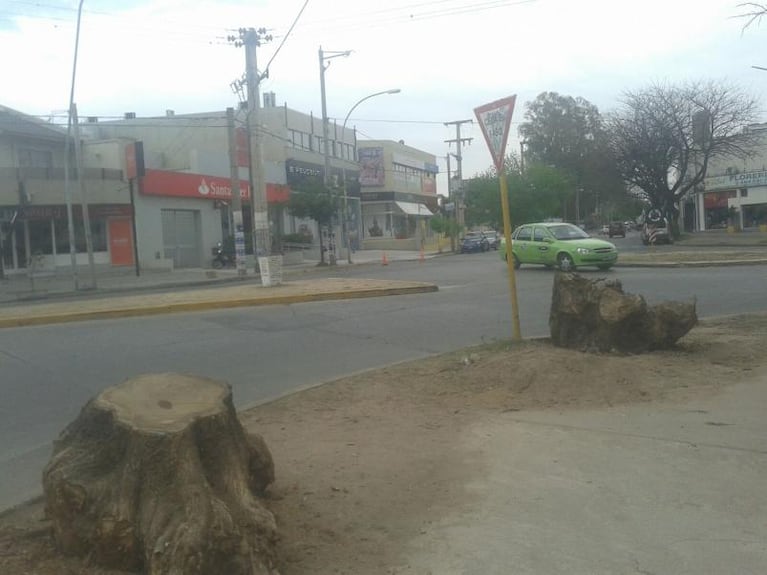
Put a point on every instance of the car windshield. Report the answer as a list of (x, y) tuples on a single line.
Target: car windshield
[(473, 236), (568, 232)]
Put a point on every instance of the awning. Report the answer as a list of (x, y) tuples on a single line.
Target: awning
[(413, 209)]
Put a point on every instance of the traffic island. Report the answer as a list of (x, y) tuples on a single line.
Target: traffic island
[(207, 299)]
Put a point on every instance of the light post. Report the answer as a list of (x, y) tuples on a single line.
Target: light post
[(323, 56), (344, 222), (67, 190)]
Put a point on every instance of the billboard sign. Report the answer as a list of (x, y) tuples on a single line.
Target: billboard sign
[(371, 166)]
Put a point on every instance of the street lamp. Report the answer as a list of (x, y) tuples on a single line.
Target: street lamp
[(323, 56), (344, 223), (67, 143)]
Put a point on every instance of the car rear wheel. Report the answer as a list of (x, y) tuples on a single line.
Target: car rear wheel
[(565, 262), (516, 263)]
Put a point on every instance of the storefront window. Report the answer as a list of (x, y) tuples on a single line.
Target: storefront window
[(62, 237), (41, 237), (98, 236)]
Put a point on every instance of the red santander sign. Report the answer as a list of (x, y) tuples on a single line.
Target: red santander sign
[(185, 185)]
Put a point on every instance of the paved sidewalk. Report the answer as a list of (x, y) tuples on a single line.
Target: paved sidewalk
[(52, 299), (60, 285)]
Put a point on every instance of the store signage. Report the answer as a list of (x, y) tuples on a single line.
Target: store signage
[(371, 166), (185, 185), (744, 180), (715, 200), (243, 147), (134, 160), (399, 197)]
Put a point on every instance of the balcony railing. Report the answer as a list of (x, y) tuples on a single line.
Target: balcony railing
[(19, 174)]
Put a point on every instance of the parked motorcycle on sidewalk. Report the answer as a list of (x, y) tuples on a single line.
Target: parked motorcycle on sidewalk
[(222, 259)]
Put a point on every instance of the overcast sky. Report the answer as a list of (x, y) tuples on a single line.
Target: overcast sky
[(447, 57)]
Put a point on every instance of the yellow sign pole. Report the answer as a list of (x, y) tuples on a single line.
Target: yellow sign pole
[(495, 119), (509, 255)]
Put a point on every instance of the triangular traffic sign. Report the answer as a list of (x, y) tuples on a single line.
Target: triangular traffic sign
[(495, 119)]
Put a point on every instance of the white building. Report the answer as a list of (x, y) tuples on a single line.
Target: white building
[(182, 202), (735, 188)]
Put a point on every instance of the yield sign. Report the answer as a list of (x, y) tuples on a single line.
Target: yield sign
[(494, 119)]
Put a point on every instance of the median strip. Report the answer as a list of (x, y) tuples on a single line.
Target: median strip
[(204, 299)]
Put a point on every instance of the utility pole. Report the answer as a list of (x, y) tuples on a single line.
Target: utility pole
[(251, 39), (451, 197), (239, 234), (83, 198), (459, 142)]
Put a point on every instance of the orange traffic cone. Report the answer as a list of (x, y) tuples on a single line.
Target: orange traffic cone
[(384, 260)]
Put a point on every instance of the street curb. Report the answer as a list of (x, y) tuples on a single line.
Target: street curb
[(701, 264), (147, 310)]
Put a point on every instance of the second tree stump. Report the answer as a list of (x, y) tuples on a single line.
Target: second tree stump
[(157, 474)]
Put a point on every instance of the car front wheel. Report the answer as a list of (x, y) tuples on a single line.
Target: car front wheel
[(565, 262)]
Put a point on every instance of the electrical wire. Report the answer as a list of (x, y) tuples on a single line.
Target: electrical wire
[(338, 23), (293, 25), (341, 23)]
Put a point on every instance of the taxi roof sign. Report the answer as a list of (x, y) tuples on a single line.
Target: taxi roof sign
[(495, 119)]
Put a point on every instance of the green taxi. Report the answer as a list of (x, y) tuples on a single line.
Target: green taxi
[(559, 244)]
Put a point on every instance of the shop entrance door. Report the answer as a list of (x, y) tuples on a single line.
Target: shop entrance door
[(120, 242), (181, 237)]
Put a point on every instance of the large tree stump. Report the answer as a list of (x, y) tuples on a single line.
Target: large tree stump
[(157, 475), (595, 315)]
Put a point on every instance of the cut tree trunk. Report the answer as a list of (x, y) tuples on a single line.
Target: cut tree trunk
[(595, 315), (158, 475)]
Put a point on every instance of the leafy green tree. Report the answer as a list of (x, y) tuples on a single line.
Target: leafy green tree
[(446, 226), (560, 131), (569, 134), (663, 137), (537, 194), (312, 200)]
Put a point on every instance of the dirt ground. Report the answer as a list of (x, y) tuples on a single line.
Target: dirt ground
[(364, 464)]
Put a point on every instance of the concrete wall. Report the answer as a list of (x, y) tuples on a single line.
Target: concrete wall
[(188, 143), (10, 173), (149, 228)]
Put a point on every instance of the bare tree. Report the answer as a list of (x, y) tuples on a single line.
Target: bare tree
[(664, 137), (754, 12)]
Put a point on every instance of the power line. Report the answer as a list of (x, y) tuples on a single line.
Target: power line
[(345, 22), (338, 23), (266, 70)]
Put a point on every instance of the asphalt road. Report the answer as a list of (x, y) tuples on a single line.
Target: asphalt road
[(49, 372)]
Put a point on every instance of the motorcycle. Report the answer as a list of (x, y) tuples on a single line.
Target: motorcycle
[(222, 259)]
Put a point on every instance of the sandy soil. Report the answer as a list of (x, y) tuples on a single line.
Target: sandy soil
[(364, 464)]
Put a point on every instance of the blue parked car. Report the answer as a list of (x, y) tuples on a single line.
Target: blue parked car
[(474, 242)]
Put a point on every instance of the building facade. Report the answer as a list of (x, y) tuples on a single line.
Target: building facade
[(398, 193), (34, 221), (181, 205), (735, 191)]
